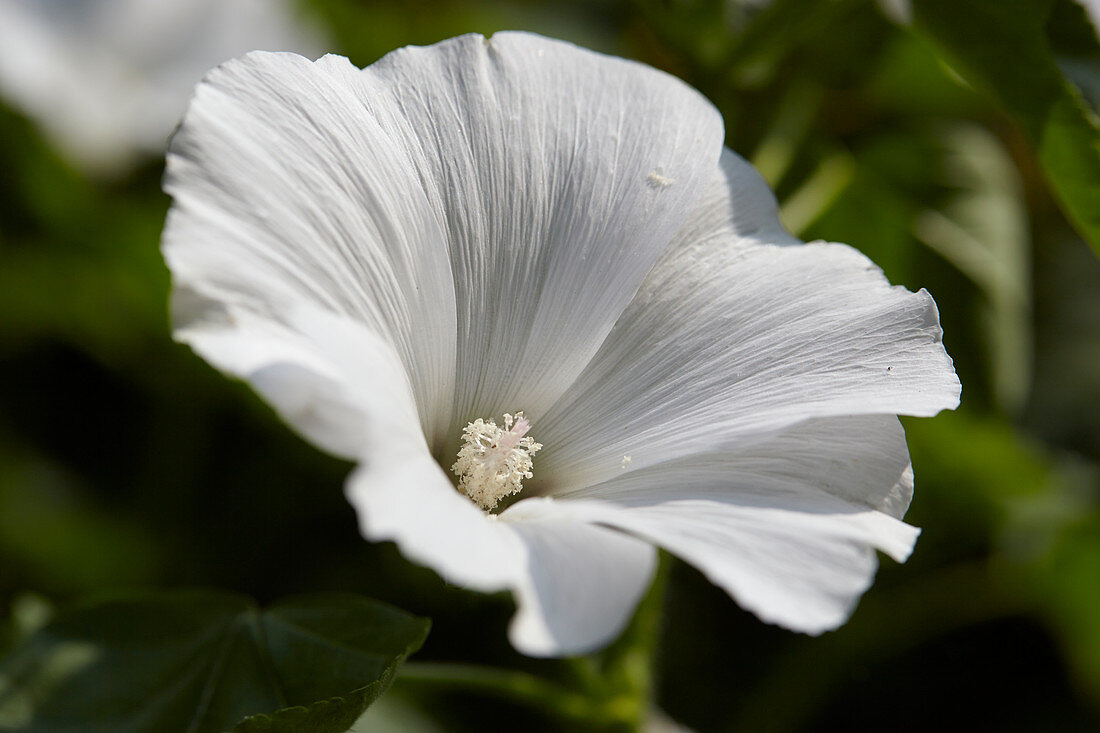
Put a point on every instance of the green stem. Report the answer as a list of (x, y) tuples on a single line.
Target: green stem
[(628, 664), (613, 689), (516, 686)]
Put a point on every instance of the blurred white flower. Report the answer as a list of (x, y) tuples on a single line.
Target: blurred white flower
[(484, 227), (1092, 10), (899, 11), (109, 79)]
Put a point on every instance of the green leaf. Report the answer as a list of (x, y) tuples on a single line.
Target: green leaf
[(206, 662), (1000, 47)]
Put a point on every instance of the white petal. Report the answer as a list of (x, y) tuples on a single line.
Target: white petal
[(326, 375), (549, 178), (576, 584), (796, 569), (730, 339), (737, 207), (1092, 10), (346, 390), (288, 191), (349, 196), (787, 526), (109, 79), (409, 499), (581, 582), (862, 461), (564, 174)]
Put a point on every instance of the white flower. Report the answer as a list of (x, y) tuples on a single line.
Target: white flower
[(109, 79), (484, 227)]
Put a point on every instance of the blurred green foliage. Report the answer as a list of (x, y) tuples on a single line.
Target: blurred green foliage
[(958, 152)]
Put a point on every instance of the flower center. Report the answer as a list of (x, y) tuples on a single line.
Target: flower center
[(493, 461)]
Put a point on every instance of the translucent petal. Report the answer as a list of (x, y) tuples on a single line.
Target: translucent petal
[(580, 584), (787, 525), (288, 191), (563, 174), (407, 498), (731, 338), (488, 207), (327, 376), (861, 460)]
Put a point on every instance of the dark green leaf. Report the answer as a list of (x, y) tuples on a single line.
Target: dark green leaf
[(201, 661), (1000, 46)]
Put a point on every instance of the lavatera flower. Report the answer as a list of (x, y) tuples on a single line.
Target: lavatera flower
[(555, 323)]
